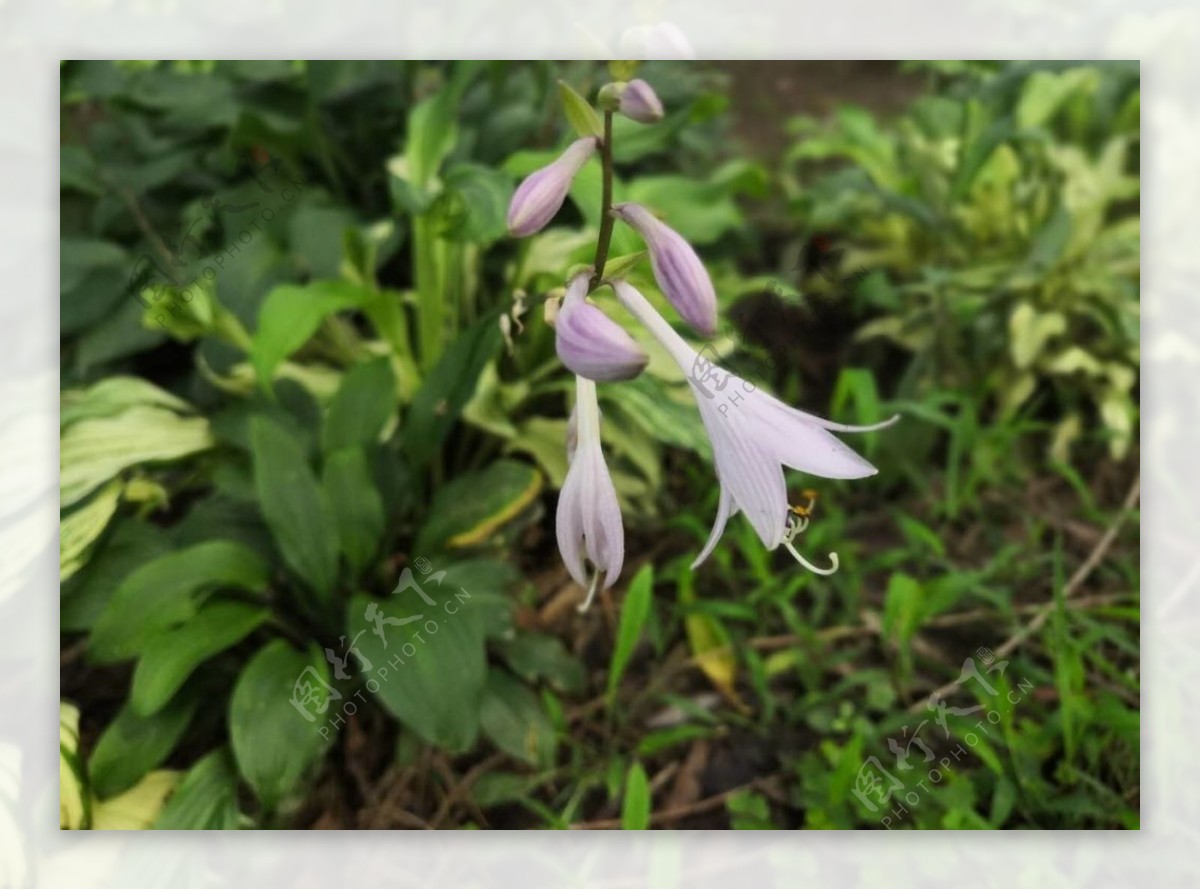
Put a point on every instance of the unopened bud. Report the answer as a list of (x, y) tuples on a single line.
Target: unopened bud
[(590, 343), (542, 193)]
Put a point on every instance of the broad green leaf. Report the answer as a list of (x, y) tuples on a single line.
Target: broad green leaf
[(361, 408), (95, 450), (165, 592), (169, 659), (449, 386), (1046, 91), (272, 754), (86, 594), (357, 508), (80, 528), (132, 745), (291, 314), (427, 661), (206, 797), (432, 133), (534, 656), (582, 117), (473, 206), (294, 505), (635, 804), (513, 718), (634, 612), (473, 507)]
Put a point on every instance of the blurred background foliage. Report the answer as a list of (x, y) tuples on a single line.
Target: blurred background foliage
[(302, 362)]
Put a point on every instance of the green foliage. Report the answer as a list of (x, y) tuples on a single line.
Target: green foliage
[(359, 418), (1002, 214)]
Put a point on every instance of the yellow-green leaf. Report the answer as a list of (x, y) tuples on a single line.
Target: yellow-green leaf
[(580, 114)]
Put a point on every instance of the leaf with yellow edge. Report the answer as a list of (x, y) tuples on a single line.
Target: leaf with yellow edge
[(472, 508), (80, 528), (137, 808)]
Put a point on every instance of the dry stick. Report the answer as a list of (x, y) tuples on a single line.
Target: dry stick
[(458, 791), (1043, 615)]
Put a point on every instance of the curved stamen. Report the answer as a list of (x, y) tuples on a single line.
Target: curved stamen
[(591, 594), (833, 557)]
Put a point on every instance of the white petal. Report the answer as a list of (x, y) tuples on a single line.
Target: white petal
[(725, 509), (568, 524), (802, 445), (748, 468), (604, 533)]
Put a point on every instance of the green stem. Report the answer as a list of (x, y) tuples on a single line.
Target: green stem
[(430, 309), (606, 219)]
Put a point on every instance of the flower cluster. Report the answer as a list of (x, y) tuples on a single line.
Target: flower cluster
[(754, 436)]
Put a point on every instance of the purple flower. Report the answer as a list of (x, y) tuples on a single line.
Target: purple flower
[(754, 436), (640, 103), (590, 343), (677, 269), (588, 522), (542, 193)]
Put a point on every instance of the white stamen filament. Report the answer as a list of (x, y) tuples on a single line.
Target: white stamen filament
[(833, 557), (591, 594)]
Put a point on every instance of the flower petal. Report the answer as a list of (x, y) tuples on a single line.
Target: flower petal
[(678, 271), (568, 524), (725, 509), (749, 469), (541, 193), (590, 343)]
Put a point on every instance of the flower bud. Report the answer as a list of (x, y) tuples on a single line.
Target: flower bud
[(542, 193), (590, 343), (639, 102), (679, 273)]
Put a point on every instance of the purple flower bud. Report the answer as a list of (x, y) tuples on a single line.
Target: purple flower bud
[(679, 273), (542, 193), (590, 343), (639, 103)]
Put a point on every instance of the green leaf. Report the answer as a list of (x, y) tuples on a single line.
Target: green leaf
[(540, 657), (474, 204), (80, 528), (294, 505), (428, 661), (92, 451), (903, 608), (582, 117), (635, 805), (86, 594), (206, 798), (449, 386), (513, 718), (432, 133), (291, 314), (357, 507), (133, 745), (170, 658), (112, 395), (362, 406), (165, 592), (634, 612), (272, 754), (472, 507)]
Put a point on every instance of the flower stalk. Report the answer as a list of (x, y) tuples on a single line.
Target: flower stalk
[(606, 217)]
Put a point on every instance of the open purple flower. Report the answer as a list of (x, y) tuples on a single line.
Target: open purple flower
[(588, 522), (754, 436), (590, 343), (542, 192), (678, 271)]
